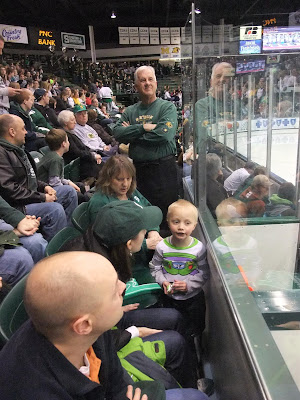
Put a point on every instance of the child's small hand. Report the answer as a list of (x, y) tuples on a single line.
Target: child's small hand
[(165, 286), (179, 286)]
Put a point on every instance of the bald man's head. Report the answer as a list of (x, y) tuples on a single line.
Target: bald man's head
[(62, 288)]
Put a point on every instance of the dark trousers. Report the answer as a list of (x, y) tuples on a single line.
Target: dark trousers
[(157, 181), (192, 310)]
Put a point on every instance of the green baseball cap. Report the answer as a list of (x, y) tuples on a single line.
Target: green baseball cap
[(78, 108), (120, 221)]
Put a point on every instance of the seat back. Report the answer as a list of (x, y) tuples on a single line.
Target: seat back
[(60, 239), (80, 217), (12, 311), (44, 150), (36, 156), (72, 170)]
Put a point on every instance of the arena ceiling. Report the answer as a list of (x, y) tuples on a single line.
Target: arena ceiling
[(76, 15)]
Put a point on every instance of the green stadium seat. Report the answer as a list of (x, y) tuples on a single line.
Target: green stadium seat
[(79, 217), (72, 170), (12, 311), (36, 156), (60, 239), (44, 150)]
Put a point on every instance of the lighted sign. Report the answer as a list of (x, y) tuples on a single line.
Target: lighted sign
[(250, 32), (250, 66), (250, 46), (281, 38), (45, 38)]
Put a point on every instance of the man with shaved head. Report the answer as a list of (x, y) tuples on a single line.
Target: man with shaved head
[(20, 187), (64, 351)]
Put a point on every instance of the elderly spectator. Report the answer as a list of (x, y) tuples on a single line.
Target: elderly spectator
[(211, 107), (89, 165), (105, 136), (150, 126), (89, 136)]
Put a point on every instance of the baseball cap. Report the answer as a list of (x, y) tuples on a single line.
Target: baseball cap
[(78, 108), (120, 221), (39, 93)]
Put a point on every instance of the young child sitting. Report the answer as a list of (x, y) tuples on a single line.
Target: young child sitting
[(179, 265), (51, 167)]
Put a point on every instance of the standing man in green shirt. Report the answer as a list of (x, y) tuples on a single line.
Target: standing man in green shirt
[(150, 126)]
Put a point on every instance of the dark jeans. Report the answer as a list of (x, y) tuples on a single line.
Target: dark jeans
[(155, 318), (192, 310), (157, 181)]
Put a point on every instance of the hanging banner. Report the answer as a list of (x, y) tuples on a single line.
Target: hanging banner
[(175, 35), (73, 40), (123, 34), (144, 35), (154, 35), (14, 34), (170, 52), (134, 35), (207, 34), (165, 35)]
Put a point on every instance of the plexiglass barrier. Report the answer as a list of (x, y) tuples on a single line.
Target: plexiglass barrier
[(241, 164)]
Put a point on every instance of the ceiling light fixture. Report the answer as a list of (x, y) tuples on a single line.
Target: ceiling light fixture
[(113, 15)]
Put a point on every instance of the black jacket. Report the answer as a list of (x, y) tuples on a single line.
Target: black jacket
[(48, 113), (88, 164), (14, 180), (33, 368)]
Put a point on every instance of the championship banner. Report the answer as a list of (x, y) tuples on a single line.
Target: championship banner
[(154, 35), (123, 35), (175, 35), (73, 40), (14, 34), (165, 35), (134, 35), (144, 35), (170, 52)]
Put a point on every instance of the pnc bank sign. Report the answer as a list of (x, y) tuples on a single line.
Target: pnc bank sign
[(45, 38)]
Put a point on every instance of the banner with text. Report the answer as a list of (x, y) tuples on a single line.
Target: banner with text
[(14, 34), (170, 52), (73, 40)]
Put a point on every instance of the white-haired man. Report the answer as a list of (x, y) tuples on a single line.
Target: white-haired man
[(150, 126), (211, 108)]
